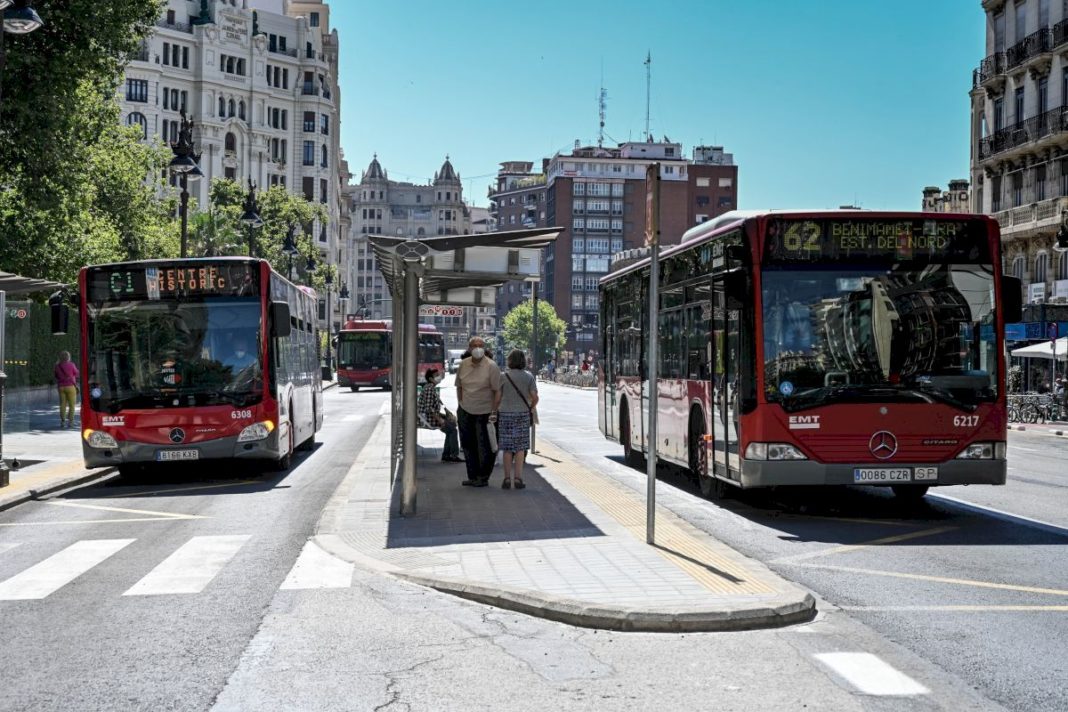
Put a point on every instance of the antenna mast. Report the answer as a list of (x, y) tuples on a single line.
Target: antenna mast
[(648, 85), (602, 104)]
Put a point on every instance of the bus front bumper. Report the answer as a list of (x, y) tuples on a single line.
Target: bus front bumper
[(763, 473), (225, 448)]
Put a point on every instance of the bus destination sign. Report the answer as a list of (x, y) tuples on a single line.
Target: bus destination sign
[(895, 239), (152, 282)]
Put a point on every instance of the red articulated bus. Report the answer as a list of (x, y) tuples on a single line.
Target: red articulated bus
[(365, 351), (195, 359), (818, 348)]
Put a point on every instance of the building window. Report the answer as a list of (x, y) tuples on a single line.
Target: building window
[(230, 108), (1021, 21), (309, 121), (576, 301), (231, 142), (1019, 107), (1040, 181), (166, 54), (185, 58), (309, 153), (137, 90), (578, 245), (999, 113), (1017, 189), (323, 191), (578, 223), (1043, 95), (995, 193), (323, 161), (578, 263), (230, 173), (1018, 267), (1062, 266), (222, 107), (578, 189), (1041, 261), (138, 119), (241, 110), (313, 19), (308, 185), (324, 124)]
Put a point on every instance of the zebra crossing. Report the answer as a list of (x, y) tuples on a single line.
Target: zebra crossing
[(189, 569)]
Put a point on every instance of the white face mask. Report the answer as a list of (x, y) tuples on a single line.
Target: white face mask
[(477, 353), (436, 379)]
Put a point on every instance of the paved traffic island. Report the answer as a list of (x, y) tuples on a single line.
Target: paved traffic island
[(570, 547)]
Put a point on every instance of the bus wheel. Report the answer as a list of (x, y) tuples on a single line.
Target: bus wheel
[(354, 388), (909, 493), (630, 456), (699, 455)]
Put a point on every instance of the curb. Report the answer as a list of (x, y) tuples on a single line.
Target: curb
[(585, 615), (61, 484)]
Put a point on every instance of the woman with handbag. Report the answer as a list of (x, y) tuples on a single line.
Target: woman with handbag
[(519, 396)]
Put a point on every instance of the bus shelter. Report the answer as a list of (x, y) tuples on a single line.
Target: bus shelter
[(455, 270)]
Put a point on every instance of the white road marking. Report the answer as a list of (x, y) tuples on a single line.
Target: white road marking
[(316, 568), (871, 675), (7, 547), (352, 418), (190, 568), (58, 570), (1001, 514)]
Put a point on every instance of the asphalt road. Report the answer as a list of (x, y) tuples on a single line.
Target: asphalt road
[(134, 631), (982, 594)]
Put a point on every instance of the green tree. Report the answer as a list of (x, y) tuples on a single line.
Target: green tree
[(73, 179), (519, 327), (279, 209)]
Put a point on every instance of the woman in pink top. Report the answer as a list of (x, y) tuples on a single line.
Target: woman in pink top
[(67, 381)]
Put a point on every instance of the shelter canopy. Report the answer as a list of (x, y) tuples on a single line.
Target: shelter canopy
[(16, 284), (1044, 350)]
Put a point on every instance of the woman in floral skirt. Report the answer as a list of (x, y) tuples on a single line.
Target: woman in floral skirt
[(519, 395)]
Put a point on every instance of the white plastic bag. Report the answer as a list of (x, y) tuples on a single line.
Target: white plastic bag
[(491, 434)]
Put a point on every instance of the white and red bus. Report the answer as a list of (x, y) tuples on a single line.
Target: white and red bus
[(196, 359), (365, 352), (817, 348)]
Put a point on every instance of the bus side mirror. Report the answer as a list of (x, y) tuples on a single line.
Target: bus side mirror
[(280, 324), (1011, 299), (60, 314)]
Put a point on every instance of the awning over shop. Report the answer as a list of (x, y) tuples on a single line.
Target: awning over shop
[(15, 284), (1044, 350)]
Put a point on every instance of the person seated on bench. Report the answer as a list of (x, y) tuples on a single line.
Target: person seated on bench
[(433, 414)]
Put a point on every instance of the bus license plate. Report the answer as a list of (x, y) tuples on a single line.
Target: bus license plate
[(173, 455), (881, 474)]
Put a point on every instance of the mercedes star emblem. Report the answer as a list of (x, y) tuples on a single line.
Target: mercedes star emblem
[(177, 435), (883, 445)]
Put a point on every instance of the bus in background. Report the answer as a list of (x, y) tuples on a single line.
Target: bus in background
[(196, 359), (818, 348), (365, 350)]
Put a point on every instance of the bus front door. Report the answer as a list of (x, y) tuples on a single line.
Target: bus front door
[(726, 322)]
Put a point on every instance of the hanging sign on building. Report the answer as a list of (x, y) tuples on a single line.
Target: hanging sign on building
[(440, 310)]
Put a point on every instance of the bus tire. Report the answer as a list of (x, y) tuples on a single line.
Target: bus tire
[(910, 494), (354, 388), (631, 457)]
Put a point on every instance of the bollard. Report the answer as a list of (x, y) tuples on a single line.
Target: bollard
[(5, 473)]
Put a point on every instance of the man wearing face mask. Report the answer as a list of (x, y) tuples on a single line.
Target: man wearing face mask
[(478, 390), (438, 416)]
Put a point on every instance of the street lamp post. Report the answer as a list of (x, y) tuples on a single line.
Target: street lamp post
[(329, 367), (21, 19), (289, 247), (184, 163), (342, 300), (251, 216)]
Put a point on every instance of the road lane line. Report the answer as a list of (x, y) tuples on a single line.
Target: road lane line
[(7, 547), (863, 545), (149, 493), (58, 570), (940, 579), (162, 515), (957, 609), (871, 674), (1001, 514), (190, 568), (316, 568), (86, 521)]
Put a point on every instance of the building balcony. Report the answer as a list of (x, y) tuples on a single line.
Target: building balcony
[(286, 52), (178, 26), (1030, 49), (1034, 45), (140, 55), (1029, 133), (1025, 220)]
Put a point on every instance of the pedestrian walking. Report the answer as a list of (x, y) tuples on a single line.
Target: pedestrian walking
[(478, 391), (519, 391), (66, 374), (438, 416)]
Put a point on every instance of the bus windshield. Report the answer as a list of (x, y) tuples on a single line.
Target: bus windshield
[(365, 350), (906, 332), (169, 353)]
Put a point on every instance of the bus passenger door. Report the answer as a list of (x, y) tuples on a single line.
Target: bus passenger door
[(726, 322)]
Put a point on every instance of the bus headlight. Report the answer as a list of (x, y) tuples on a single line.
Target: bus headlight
[(983, 451), (773, 451), (256, 431), (99, 439)]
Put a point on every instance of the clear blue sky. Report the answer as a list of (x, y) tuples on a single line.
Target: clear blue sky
[(822, 102)]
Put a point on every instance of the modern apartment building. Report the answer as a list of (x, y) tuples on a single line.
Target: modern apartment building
[(517, 203), (1019, 140), (380, 206), (259, 79)]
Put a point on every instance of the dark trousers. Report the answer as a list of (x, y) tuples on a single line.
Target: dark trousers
[(452, 443), (474, 439)]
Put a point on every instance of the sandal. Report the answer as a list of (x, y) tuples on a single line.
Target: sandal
[(519, 483), (507, 484)]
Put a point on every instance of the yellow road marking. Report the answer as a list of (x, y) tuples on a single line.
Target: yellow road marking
[(851, 520), (941, 579), (167, 515), (147, 493), (961, 608), (863, 545)]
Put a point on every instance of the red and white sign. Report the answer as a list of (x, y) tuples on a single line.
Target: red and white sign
[(440, 310)]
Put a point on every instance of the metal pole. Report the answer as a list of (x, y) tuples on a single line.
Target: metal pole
[(251, 249), (652, 363), (185, 211), (411, 365), (534, 350), (394, 396), (5, 473)]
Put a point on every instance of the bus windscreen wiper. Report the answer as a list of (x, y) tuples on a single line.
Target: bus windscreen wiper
[(941, 395), (853, 393)]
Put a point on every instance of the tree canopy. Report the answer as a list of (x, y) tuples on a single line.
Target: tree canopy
[(519, 328)]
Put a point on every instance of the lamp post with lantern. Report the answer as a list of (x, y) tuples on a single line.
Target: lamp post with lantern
[(19, 19), (185, 165), (251, 216)]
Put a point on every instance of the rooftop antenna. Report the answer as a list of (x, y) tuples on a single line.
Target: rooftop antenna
[(602, 105), (648, 85)]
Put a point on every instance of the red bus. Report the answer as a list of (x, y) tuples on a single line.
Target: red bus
[(817, 348), (365, 351), (197, 359)]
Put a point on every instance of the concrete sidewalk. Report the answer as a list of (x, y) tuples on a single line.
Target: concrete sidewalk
[(570, 547)]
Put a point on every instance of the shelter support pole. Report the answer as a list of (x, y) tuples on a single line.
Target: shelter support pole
[(411, 378), (395, 377)]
